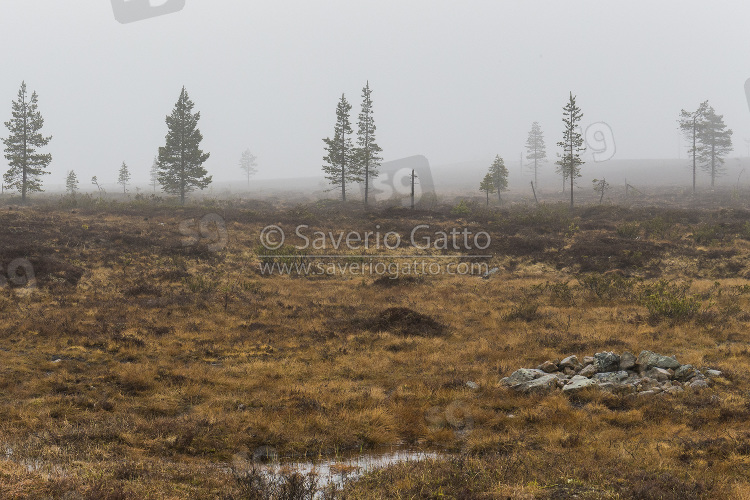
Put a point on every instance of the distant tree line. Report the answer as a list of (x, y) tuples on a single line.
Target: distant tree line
[(178, 168)]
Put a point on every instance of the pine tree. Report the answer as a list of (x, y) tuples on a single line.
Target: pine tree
[(248, 164), (95, 182), (535, 149), (499, 174), (715, 142), (21, 146), (124, 177), (690, 123), (71, 183), (487, 186), (181, 159), (366, 153), (155, 173), (572, 144), (600, 187), (340, 167)]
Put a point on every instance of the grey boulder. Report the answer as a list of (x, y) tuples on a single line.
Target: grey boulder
[(627, 361), (542, 385), (578, 383), (571, 362), (648, 359), (658, 374), (588, 371), (611, 377), (685, 372), (607, 361), (522, 375)]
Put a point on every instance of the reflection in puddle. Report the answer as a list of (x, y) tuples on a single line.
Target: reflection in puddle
[(337, 471)]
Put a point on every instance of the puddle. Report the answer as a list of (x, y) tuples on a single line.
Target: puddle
[(339, 470)]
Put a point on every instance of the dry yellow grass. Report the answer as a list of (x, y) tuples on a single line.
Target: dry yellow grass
[(140, 367)]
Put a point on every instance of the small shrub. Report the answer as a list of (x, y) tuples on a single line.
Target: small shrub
[(284, 255), (462, 208), (667, 300), (201, 284), (629, 230), (559, 292), (707, 234), (657, 227), (606, 286), (527, 311)]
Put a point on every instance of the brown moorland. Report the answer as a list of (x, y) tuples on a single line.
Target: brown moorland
[(148, 365)]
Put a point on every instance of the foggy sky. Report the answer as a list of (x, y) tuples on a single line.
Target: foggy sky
[(454, 81)]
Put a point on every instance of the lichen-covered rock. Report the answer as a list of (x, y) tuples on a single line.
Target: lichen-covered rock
[(571, 362), (647, 384), (698, 384), (547, 367), (588, 371), (627, 361), (611, 377), (542, 385), (685, 372), (658, 374), (648, 359), (648, 374), (522, 375), (578, 383), (607, 362)]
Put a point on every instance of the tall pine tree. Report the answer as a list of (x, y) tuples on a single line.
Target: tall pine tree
[(181, 159), (690, 123), (154, 173), (248, 165), (715, 142), (499, 173), (124, 177), (487, 186), (22, 145), (366, 154), (570, 162), (536, 152), (340, 166), (71, 183)]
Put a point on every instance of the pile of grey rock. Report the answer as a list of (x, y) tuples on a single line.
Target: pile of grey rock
[(648, 374)]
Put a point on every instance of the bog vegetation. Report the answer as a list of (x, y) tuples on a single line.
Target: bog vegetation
[(145, 365)]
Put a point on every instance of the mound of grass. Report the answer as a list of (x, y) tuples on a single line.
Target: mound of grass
[(406, 322)]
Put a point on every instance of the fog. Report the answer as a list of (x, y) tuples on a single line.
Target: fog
[(457, 82)]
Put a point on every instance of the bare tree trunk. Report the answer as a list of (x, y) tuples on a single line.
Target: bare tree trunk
[(694, 154)]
